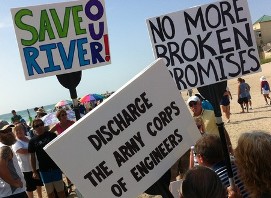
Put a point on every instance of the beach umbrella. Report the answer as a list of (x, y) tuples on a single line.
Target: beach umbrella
[(51, 118), (98, 96), (87, 98), (62, 103)]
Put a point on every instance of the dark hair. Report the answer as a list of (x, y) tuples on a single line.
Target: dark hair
[(202, 182), (37, 120), (209, 147), (240, 80)]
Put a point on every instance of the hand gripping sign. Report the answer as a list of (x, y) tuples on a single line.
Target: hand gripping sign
[(130, 140)]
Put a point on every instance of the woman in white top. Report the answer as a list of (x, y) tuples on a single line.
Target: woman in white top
[(21, 150)]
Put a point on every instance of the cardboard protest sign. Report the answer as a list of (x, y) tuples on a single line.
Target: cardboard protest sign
[(206, 44), (128, 142), (61, 38)]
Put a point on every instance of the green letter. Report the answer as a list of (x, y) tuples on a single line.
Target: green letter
[(45, 25), (61, 30), (77, 20), (18, 21)]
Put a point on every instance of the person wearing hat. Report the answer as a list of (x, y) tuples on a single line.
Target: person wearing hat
[(11, 178), (207, 116), (265, 89), (40, 113)]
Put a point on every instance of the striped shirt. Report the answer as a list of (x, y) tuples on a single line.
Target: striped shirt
[(221, 170)]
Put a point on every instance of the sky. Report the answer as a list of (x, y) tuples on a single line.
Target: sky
[(130, 51)]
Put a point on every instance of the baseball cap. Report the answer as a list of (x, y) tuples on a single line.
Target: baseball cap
[(193, 98), (6, 127)]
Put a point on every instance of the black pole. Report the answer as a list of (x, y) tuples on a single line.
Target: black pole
[(221, 129), (76, 109), (214, 93), (70, 81)]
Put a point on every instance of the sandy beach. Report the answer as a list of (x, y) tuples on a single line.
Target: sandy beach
[(259, 118)]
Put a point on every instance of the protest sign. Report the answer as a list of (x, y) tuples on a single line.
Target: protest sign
[(206, 44), (129, 141), (61, 38)]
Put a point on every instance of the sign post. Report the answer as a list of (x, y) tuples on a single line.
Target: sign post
[(213, 93)]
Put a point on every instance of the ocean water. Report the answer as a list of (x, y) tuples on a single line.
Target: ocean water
[(24, 114)]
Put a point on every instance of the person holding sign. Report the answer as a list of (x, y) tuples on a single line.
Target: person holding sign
[(50, 173)]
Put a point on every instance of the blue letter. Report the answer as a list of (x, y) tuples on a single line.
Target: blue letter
[(48, 49), (82, 52), (30, 54), (96, 48), (67, 60)]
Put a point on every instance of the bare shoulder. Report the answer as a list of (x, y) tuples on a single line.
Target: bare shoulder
[(5, 153)]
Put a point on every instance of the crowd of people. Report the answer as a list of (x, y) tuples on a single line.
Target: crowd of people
[(207, 159), (203, 169), (25, 167)]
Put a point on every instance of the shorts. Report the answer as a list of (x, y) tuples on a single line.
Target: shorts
[(51, 175), (56, 185), (31, 183), (52, 179), (265, 91), (242, 100)]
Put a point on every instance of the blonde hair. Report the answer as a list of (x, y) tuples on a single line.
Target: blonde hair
[(18, 126), (253, 162)]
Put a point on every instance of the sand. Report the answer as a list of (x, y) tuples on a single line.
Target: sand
[(259, 118)]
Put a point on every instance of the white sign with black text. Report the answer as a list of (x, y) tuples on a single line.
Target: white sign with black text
[(206, 44), (130, 140)]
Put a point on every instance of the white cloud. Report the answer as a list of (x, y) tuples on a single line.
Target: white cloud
[(6, 24)]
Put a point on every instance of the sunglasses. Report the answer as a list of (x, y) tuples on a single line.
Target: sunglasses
[(8, 130), (192, 103), (38, 125), (63, 114)]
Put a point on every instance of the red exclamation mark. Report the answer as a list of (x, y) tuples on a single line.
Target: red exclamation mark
[(106, 46)]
